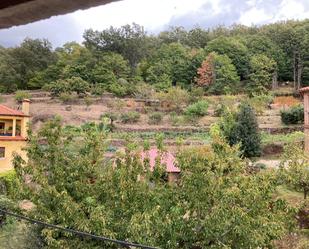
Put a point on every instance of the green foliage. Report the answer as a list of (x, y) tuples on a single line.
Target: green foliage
[(58, 87), (196, 94), (155, 118), (294, 168), (130, 117), (220, 110), (216, 202), (78, 85), (293, 115), (21, 95), (260, 102), (66, 98), (74, 84), (242, 128), (175, 97), (262, 70), (197, 109), (218, 74), (234, 49), (9, 184)]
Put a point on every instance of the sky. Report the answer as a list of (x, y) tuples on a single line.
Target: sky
[(158, 15)]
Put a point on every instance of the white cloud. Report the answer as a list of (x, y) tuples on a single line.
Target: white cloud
[(151, 14), (291, 9), (254, 16)]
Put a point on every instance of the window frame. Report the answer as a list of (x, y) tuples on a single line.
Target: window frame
[(2, 152)]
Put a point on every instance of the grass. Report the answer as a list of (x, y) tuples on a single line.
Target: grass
[(296, 136)]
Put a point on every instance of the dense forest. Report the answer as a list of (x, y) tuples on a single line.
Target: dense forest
[(221, 60)]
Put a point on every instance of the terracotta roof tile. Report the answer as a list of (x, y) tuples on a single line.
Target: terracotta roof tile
[(6, 111)]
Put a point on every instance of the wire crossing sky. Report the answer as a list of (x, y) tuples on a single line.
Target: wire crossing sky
[(158, 15)]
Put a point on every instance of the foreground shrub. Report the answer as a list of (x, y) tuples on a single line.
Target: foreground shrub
[(294, 115), (197, 109), (21, 95), (294, 168), (130, 117), (155, 118), (215, 202)]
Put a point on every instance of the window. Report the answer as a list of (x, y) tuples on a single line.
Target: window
[(2, 152), (2, 126)]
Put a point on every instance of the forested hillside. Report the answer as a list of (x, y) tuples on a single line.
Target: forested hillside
[(222, 60)]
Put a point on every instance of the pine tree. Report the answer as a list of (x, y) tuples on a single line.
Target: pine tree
[(247, 131)]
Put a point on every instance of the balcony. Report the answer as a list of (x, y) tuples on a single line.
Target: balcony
[(10, 128)]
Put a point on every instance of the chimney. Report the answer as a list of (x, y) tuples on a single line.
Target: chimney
[(26, 106)]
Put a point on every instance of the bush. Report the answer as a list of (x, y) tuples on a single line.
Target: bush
[(177, 119), (98, 89), (111, 116), (130, 117), (293, 115), (196, 94), (175, 97), (66, 98), (58, 87), (220, 109), (144, 91), (155, 118), (78, 85), (242, 128), (197, 109), (260, 102), (21, 95)]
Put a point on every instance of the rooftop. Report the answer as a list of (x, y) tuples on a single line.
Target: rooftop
[(6, 111)]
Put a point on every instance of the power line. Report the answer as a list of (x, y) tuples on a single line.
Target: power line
[(79, 233)]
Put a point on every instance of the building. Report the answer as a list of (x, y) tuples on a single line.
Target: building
[(13, 133), (305, 92)]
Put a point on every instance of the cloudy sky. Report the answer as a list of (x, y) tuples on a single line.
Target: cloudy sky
[(157, 15)]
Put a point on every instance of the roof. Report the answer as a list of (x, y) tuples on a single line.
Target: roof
[(167, 159), (19, 12), (304, 89), (8, 138), (6, 111)]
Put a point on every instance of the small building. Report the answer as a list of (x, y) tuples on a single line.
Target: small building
[(13, 133)]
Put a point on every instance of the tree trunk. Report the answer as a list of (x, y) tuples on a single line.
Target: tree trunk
[(275, 80), (294, 69), (299, 72)]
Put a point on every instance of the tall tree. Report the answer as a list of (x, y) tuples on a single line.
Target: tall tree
[(128, 40)]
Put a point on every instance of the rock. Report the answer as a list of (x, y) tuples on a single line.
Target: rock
[(68, 108), (26, 205)]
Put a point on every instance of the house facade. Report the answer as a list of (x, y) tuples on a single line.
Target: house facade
[(13, 133)]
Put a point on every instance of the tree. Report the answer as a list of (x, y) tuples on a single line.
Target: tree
[(294, 168), (262, 72), (31, 57), (235, 50), (215, 203), (247, 131), (218, 74), (242, 128), (128, 40)]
